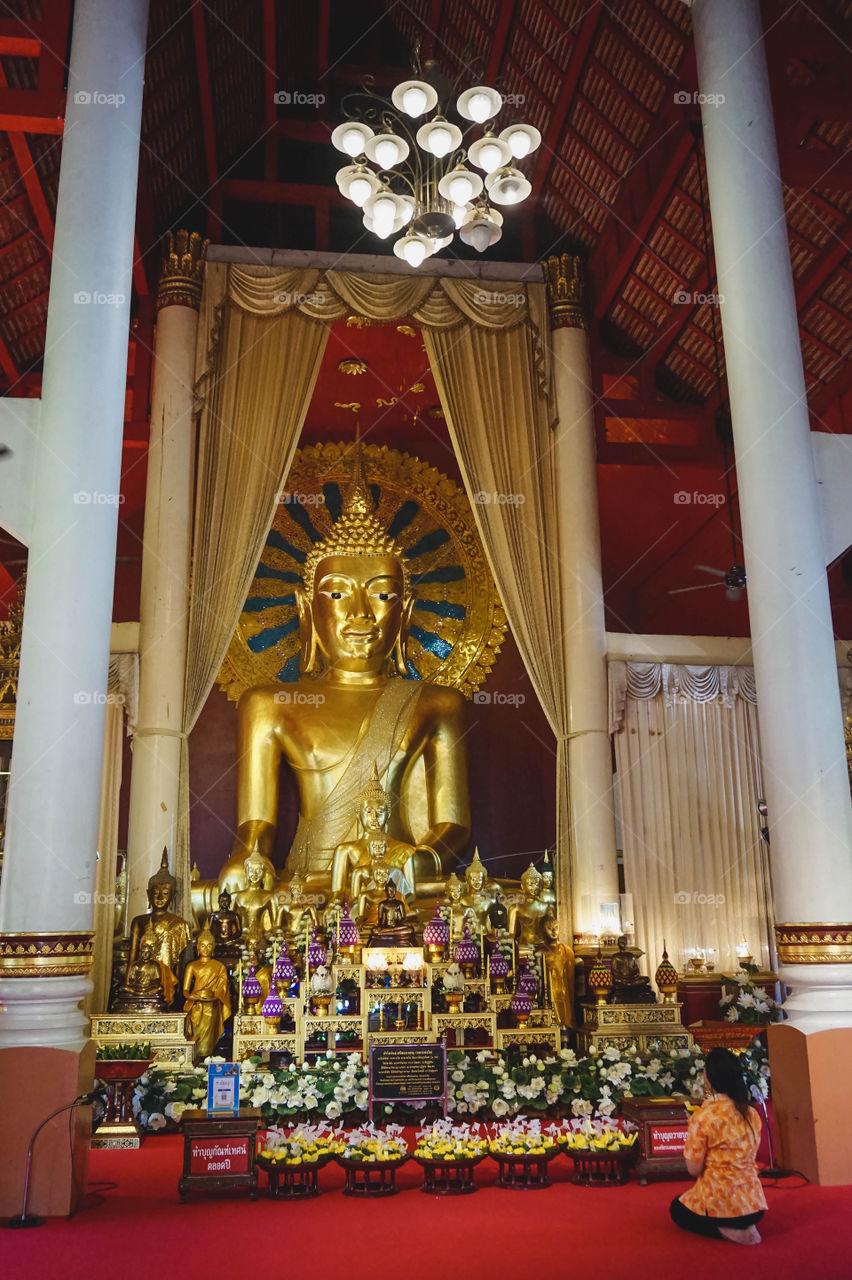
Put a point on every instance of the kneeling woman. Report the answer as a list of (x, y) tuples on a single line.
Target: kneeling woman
[(727, 1200)]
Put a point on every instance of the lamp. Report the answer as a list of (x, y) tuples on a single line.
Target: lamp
[(426, 186)]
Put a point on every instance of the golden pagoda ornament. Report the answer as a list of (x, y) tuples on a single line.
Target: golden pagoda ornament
[(666, 978), (599, 979)]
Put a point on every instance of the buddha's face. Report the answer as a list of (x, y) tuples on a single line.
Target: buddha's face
[(381, 875), (551, 928), (224, 901), (159, 896), (454, 889), (254, 874), (146, 952), (475, 878), (206, 947), (374, 816), (547, 879), (297, 889), (531, 882), (391, 890), (357, 610)]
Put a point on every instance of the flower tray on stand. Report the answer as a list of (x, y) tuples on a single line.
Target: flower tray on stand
[(523, 1173), (709, 1034), (602, 1168), (449, 1177), (292, 1181), (370, 1178)]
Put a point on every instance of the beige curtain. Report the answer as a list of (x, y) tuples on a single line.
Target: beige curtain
[(688, 776), (499, 414)]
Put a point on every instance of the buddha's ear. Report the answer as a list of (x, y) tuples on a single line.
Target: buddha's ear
[(307, 633), (399, 657)]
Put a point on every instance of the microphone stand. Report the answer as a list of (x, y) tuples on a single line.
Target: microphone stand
[(25, 1219)]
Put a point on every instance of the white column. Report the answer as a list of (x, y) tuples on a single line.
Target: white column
[(165, 572), (49, 864), (593, 870), (801, 727)]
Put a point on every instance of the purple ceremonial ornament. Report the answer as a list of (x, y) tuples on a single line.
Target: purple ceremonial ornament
[(498, 964), (521, 1006), (466, 952), (316, 952), (252, 989), (347, 930), (272, 1006), (437, 931), (527, 982), (284, 972)]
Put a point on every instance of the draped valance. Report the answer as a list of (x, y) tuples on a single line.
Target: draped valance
[(677, 683)]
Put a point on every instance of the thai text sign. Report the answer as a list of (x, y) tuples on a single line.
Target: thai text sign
[(666, 1139), (219, 1156), (408, 1073)]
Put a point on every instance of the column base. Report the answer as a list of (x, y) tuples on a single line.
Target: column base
[(34, 1082), (813, 1125), (44, 1012), (820, 996)]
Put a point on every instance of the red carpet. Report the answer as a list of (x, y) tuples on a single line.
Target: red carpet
[(138, 1231)]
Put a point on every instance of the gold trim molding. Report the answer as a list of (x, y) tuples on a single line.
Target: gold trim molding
[(565, 278), (804, 943), (46, 955), (182, 273)]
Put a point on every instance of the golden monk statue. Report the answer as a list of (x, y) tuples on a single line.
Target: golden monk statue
[(354, 859), (354, 614), (395, 925), (525, 917), (207, 1000), (559, 962), (171, 932), (457, 914), (150, 985), (547, 893)]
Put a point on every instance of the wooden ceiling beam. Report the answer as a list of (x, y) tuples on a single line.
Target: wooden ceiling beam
[(582, 45), (505, 17), (7, 364), (205, 97), (825, 267), (828, 393), (17, 312)]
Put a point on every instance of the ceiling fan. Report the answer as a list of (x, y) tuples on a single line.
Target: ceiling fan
[(733, 580)]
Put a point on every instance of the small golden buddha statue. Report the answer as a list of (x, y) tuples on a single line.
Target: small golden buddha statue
[(150, 985), (171, 932), (547, 893), (253, 905), (395, 926), (353, 860), (525, 917), (207, 999), (225, 925), (629, 986), (367, 910), (559, 963), (478, 892), (354, 615), (295, 916), (457, 914)]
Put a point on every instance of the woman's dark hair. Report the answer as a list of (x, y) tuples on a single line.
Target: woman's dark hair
[(726, 1076)]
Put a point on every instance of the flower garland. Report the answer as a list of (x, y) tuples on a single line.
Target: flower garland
[(482, 1085)]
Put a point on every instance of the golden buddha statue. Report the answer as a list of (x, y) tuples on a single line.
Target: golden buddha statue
[(353, 860), (367, 909), (547, 893), (457, 913), (253, 901), (525, 917), (478, 894), (150, 985), (294, 916), (354, 614), (206, 998), (170, 931), (559, 963), (395, 925)]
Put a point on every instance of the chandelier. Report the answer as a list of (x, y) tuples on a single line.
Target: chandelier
[(424, 182)]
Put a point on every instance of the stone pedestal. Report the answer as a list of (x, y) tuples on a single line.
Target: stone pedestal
[(654, 1027)]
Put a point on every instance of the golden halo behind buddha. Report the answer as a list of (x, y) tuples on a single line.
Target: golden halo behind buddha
[(458, 623)]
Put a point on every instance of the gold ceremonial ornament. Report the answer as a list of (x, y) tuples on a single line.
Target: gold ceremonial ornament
[(352, 364), (457, 623), (182, 273), (564, 276)]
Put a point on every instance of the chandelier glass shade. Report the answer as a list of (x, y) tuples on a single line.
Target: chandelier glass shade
[(423, 186)]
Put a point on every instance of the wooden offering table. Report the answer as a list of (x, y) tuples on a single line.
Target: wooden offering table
[(219, 1152)]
